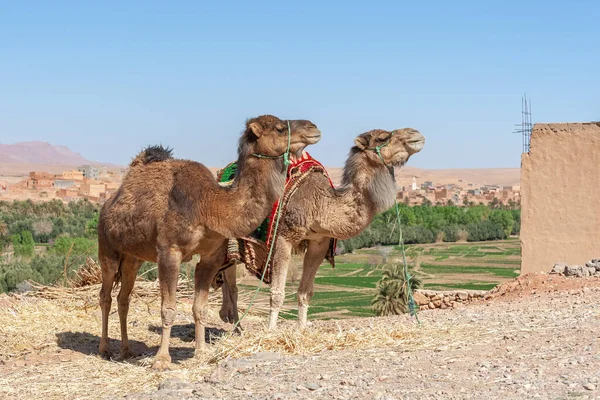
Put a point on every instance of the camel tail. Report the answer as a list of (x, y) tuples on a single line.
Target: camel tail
[(152, 154)]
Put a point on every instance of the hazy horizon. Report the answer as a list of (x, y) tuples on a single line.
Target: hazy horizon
[(106, 80)]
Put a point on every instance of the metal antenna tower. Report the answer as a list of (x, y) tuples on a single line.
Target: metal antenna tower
[(526, 126)]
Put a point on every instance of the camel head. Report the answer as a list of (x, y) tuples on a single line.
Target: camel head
[(268, 135), (390, 148)]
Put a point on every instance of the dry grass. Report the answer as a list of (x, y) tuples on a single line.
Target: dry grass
[(49, 340)]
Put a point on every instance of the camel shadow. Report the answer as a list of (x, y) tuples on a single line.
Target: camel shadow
[(186, 332), (86, 343)]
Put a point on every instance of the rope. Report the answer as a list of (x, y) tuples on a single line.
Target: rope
[(377, 149), (286, 162), (410, 301), (286, 155), (412, 306)]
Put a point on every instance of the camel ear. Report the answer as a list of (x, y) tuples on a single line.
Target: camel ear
[(255, 128), (361, 142)]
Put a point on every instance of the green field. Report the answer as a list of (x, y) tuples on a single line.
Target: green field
[(347, 290)]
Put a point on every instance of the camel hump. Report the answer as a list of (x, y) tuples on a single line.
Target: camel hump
[(152, 154)]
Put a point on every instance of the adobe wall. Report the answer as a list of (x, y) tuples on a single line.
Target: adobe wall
[(560, 196)]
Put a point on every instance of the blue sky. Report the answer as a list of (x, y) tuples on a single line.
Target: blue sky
[(108, 78)]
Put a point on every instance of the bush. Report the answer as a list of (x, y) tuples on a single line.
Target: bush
[(392, 295), (23, 244)]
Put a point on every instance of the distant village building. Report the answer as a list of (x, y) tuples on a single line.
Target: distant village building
[(72, 175), (40, 180), (93, 188), (68, 194), (414, 184), (63, 183), (90, 171), (441, 194)]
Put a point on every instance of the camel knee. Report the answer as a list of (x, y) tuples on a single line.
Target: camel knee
[(168, 316), (200, 312), (277, 297), (105, 299), (123, 301), (304, 298)]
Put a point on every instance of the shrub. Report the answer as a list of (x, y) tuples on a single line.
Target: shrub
[(391, 297)]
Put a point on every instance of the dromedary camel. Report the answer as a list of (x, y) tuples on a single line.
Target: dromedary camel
[(317, 212), (167, 210)]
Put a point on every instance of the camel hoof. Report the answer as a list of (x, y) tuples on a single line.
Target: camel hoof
[(104, 352), (161, 365), (125, 354), (238, 330)]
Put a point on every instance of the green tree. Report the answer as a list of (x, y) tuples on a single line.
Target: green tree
[(80, 245), (23, 244), (392, 294), (504, 219), (92, 226)]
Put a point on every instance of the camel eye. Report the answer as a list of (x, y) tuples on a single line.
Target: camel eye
[(383, 138), (280, 128)]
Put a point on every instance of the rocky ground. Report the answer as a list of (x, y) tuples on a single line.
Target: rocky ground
[(534, 337)]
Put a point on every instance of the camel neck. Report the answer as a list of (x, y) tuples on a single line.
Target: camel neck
[(366, 190), (257, 185)]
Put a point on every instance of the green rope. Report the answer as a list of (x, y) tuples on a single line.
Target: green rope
[(285, 156), (377, 149), (410, 301), (286, 162)]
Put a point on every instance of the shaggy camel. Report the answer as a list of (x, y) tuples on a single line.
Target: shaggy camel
[(319, 212), (168, 209)]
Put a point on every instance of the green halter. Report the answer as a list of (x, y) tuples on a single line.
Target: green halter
[(285, 156), (377, 149)]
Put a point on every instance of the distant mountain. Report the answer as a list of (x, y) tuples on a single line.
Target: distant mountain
[(41, 153)]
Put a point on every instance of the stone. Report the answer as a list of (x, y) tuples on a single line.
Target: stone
[(462, 295), (175, 384), (559, 268), (437, 297), (420, 299), (589, 386), (431, 305), (312, 386), (591, 270), (437, 303), (574, 270)]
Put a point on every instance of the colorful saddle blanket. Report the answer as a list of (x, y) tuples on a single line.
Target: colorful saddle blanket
[(253, 249)]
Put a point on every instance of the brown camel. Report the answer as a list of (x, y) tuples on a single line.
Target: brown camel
[(167, 210), (318, 212)]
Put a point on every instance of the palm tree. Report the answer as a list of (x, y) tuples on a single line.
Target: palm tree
[(392, 296)]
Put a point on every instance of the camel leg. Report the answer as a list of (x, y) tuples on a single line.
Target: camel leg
[(129, 269), (229, 308), (281, 261), (315, 254), (205, 272), (226, 312), (109, 267), (168, 273)]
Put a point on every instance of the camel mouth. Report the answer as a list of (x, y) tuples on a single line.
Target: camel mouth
[(416, 145), (312, 139)]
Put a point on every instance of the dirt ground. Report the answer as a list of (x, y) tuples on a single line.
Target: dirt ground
[(535, 337)]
